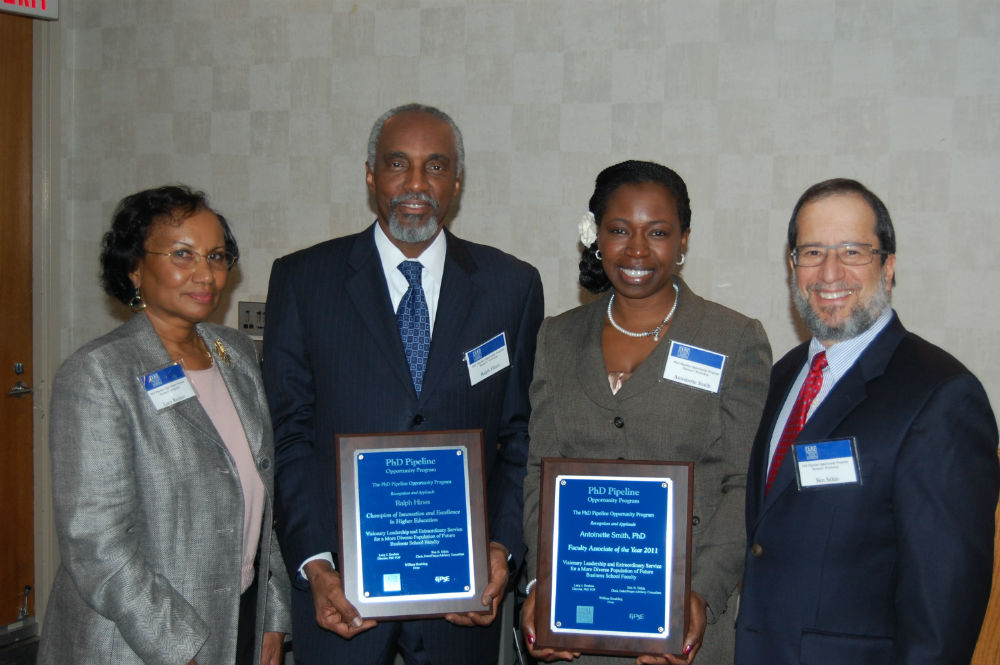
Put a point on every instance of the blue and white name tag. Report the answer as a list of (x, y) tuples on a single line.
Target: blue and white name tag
[(167, 386), (695, 367), (487, 359), (822, 463)]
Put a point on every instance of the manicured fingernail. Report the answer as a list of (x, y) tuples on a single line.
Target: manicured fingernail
[(687, 649), (356, 622), (531, 638)]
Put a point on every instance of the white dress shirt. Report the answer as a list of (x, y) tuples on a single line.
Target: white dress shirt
[(432, 260)]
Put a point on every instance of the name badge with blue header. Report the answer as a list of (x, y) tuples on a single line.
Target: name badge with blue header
[(694, 366), (825, 463), (487, 359), (167, 386)]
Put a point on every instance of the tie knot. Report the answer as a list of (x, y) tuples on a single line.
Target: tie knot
[(411, 270), (818, 362)]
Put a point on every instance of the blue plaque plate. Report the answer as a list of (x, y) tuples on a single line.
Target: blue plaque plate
[(613, 556), (414, 527), (412, 523), (613, 543)]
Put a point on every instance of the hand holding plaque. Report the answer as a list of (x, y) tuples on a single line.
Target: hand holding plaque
[(492, 594), (333, 611)]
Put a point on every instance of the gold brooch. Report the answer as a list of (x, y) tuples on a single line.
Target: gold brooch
[(221, 351)]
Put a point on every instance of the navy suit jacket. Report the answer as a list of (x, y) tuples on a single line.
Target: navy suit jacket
[(898, 568), (334, 364)]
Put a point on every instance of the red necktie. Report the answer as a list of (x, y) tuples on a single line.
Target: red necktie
[(797, 419)]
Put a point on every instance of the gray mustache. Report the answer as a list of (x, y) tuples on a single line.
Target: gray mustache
[(426, 198)]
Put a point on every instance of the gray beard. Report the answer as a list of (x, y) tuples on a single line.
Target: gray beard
[(860, 319), (413, 232)]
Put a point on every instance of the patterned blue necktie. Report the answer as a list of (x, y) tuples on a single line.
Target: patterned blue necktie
[(414, 321)]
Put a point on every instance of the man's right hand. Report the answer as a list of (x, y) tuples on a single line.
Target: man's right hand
[(333, 611)]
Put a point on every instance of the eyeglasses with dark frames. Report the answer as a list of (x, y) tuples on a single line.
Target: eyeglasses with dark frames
[(849, 253)]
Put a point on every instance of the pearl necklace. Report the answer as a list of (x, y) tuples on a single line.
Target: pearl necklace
[(655, 332)]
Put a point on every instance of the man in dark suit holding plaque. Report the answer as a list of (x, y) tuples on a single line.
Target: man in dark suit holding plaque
[(377, 332), (873, 477)]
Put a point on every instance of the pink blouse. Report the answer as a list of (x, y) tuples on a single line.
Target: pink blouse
[(616, 380), (217, 402)]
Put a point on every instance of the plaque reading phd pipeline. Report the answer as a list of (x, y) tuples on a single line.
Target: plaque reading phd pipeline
[(611, 554), (414, 529)]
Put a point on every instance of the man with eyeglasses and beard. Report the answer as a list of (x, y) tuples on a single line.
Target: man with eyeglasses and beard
[(367, 334), (873, 477)]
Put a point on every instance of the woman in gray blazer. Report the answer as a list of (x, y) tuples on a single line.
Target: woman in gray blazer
[(599, 389), (162, 461)]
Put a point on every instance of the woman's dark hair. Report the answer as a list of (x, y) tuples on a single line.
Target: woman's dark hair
[(632, 172), (125, 243)]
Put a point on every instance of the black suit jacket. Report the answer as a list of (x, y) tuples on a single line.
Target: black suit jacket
[(898, 568), (334, 363)]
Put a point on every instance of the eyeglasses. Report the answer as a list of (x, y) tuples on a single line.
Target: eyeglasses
[(187, 258), (849, 253)]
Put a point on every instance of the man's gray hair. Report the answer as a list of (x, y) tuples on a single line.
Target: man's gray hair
[(416, 108)]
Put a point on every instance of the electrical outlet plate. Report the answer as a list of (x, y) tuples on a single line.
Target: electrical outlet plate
[(252, 318)]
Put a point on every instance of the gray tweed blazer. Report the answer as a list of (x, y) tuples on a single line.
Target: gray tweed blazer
[(149, 509), (573, 414)]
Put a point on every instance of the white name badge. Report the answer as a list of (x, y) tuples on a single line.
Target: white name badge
[(695, 367), (487, 359), (823, 463), (167, 386)]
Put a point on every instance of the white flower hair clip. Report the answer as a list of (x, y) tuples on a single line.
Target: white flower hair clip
[(588, 229)]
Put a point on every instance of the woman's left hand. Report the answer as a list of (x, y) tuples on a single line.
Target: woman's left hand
[(270, 650), (692, 640)]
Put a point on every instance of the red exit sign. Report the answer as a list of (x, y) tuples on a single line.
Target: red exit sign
[(38, 8)]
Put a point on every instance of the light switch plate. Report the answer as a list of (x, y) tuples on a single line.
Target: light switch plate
[(252, 318)]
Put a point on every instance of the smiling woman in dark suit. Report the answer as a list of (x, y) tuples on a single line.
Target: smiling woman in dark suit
[(598, 389), (162, 461)]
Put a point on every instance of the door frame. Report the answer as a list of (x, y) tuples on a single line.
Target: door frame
[(47, 261)]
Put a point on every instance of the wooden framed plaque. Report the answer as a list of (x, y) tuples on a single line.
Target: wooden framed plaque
[(412, 523), (614, 556)]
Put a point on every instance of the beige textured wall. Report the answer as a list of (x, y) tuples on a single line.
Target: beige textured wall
[(267, 106)]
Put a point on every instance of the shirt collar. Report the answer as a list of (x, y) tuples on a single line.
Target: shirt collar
[(431, 258), (840, 357)]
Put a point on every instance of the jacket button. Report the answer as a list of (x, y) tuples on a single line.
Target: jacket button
[(756, 549), (619, 422), (417, 419), (695, 521), (265, 464)]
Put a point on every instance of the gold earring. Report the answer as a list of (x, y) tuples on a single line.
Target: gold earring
[(136, 304)]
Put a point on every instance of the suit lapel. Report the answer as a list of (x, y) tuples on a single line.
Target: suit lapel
[(370, 295), (591, 372), (849, 392), (237, 375), (152, 356), (685, 327), (782, 377), (458, 294)]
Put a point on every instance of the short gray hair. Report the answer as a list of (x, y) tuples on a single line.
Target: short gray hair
[(376, 133)]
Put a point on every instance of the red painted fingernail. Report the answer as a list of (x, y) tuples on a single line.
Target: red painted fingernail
[(531, 638), (687, 649)]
